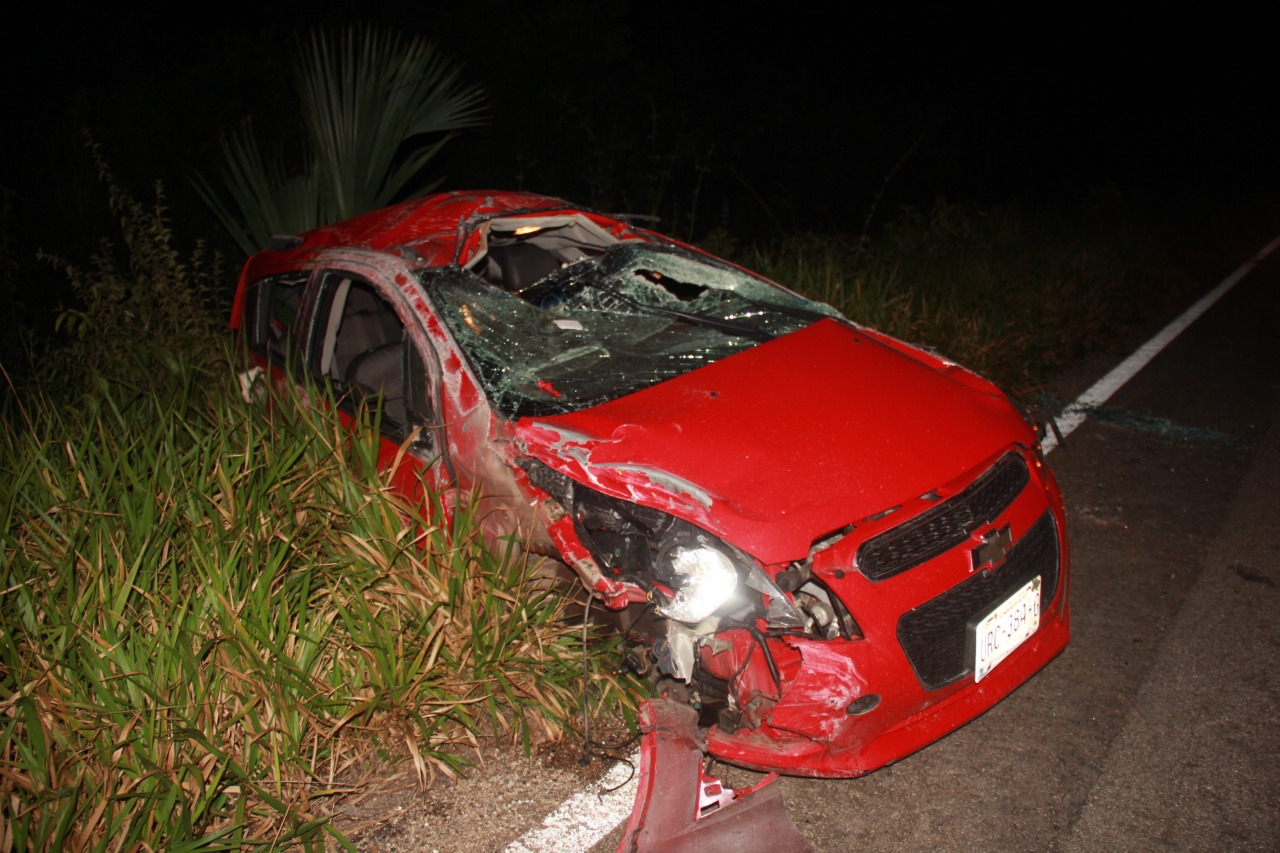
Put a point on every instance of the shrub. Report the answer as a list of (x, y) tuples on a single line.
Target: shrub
[(1011, 295), (140, 313)]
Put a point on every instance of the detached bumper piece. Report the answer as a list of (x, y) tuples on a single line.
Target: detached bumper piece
[(679, 809)]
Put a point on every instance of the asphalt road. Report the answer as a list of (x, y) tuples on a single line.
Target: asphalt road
[(1156, 729)]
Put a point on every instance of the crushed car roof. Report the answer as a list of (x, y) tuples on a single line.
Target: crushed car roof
[(427, 231)]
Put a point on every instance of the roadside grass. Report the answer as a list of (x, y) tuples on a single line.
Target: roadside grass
[(212, 611), (1008, 294)]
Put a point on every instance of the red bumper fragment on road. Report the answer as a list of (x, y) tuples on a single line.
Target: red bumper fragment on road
[(679, 809)]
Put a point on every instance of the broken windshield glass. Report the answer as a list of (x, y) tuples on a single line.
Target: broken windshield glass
[(607, 326)]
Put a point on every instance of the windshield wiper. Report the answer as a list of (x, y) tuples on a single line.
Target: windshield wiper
[(727, 326), (789, 310)]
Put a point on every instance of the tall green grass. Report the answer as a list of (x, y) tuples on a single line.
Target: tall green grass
[(214, 613), (1012, 295), (211, 612)]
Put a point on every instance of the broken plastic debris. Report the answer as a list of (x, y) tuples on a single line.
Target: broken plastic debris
[(679, 809), (251, 388)]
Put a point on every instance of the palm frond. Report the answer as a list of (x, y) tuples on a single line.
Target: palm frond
[(375, 107)]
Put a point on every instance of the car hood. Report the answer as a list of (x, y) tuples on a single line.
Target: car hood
[(786, 442)]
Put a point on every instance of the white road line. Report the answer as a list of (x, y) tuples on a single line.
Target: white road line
[(583, 819), (1076, 413)]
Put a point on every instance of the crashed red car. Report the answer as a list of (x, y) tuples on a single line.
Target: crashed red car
[(838, 546)]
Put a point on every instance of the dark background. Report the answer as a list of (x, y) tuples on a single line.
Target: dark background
[(709, 117)]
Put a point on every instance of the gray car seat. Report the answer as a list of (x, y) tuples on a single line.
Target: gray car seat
[(367, 323), (519, 265), (381, 371)]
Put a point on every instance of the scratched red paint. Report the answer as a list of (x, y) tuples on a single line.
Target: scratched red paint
[(793, 458)]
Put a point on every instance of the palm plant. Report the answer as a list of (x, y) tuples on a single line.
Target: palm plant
[(375, 109)]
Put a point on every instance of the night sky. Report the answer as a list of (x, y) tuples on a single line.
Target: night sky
[(791, 120)]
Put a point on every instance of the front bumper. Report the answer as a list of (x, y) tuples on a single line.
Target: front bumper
[(879, 737), (842, 708)]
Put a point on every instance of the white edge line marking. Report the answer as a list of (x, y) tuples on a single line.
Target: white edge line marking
[(585, 818), (1076, 413)]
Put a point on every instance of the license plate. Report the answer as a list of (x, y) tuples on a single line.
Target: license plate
[(997, 634)]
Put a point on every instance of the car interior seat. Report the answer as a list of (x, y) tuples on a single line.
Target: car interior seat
[(520, 265), (381, 371), (367, 323)]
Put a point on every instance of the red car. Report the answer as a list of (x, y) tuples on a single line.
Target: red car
[(838, 546)]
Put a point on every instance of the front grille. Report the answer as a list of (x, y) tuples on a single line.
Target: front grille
[(946, 525), (935, 634)]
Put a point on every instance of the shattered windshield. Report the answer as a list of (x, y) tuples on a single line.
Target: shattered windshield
[(607, 326)]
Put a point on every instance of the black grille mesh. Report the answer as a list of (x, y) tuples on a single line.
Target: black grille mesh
[(945, 526), (934, 635)]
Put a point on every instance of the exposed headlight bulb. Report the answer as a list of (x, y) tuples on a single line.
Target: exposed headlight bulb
[(706, 580)]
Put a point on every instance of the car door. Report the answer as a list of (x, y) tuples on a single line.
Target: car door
[(362, 347)]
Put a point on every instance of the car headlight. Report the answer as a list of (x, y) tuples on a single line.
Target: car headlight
[(705, 578), (688, 572)]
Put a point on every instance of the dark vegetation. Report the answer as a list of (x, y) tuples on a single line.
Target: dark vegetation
[(213, 612), (1012, 295)]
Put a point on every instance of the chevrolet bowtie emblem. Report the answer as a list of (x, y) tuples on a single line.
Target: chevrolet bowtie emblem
[(993, 548)]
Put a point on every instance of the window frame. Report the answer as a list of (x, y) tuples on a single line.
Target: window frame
[(259, 307)]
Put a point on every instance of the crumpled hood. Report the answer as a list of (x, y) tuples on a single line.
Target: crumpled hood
[(785, 442)]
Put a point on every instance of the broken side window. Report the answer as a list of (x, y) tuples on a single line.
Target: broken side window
[(607, 326)]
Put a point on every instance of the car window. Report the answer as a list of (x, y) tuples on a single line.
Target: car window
[(271, 310), (360, 348), (607, 326)]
